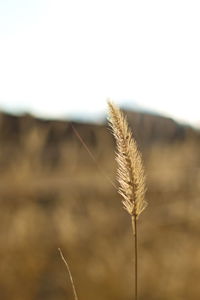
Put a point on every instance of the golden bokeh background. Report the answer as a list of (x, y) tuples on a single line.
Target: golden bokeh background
[(53, 194)]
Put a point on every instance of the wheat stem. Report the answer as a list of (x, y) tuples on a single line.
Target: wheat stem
[(134, 228)]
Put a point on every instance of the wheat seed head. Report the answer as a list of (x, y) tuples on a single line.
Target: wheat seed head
[(130, 172)]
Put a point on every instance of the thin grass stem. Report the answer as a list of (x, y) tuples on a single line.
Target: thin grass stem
[(134, 228), (101, 171), (70, 274)]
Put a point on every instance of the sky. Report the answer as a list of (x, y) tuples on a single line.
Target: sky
[(65, 58)]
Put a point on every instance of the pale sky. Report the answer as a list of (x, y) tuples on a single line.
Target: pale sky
[(61, 58)]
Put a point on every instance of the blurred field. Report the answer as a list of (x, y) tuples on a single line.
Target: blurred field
[(53, 195)]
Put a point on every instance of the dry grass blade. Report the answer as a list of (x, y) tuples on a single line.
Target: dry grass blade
[(70, 274)]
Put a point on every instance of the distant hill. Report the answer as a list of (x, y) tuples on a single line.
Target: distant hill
[(148, 128), (18, 131)]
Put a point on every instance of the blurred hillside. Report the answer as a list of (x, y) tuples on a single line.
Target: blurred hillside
[(54, 194), (148, 128)]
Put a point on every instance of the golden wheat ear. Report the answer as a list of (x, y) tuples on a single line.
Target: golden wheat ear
[(130, 172)]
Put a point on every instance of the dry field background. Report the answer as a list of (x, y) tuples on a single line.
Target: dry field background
[(53, 195)]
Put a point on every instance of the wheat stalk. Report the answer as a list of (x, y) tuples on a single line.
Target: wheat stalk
[(130, 173)]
